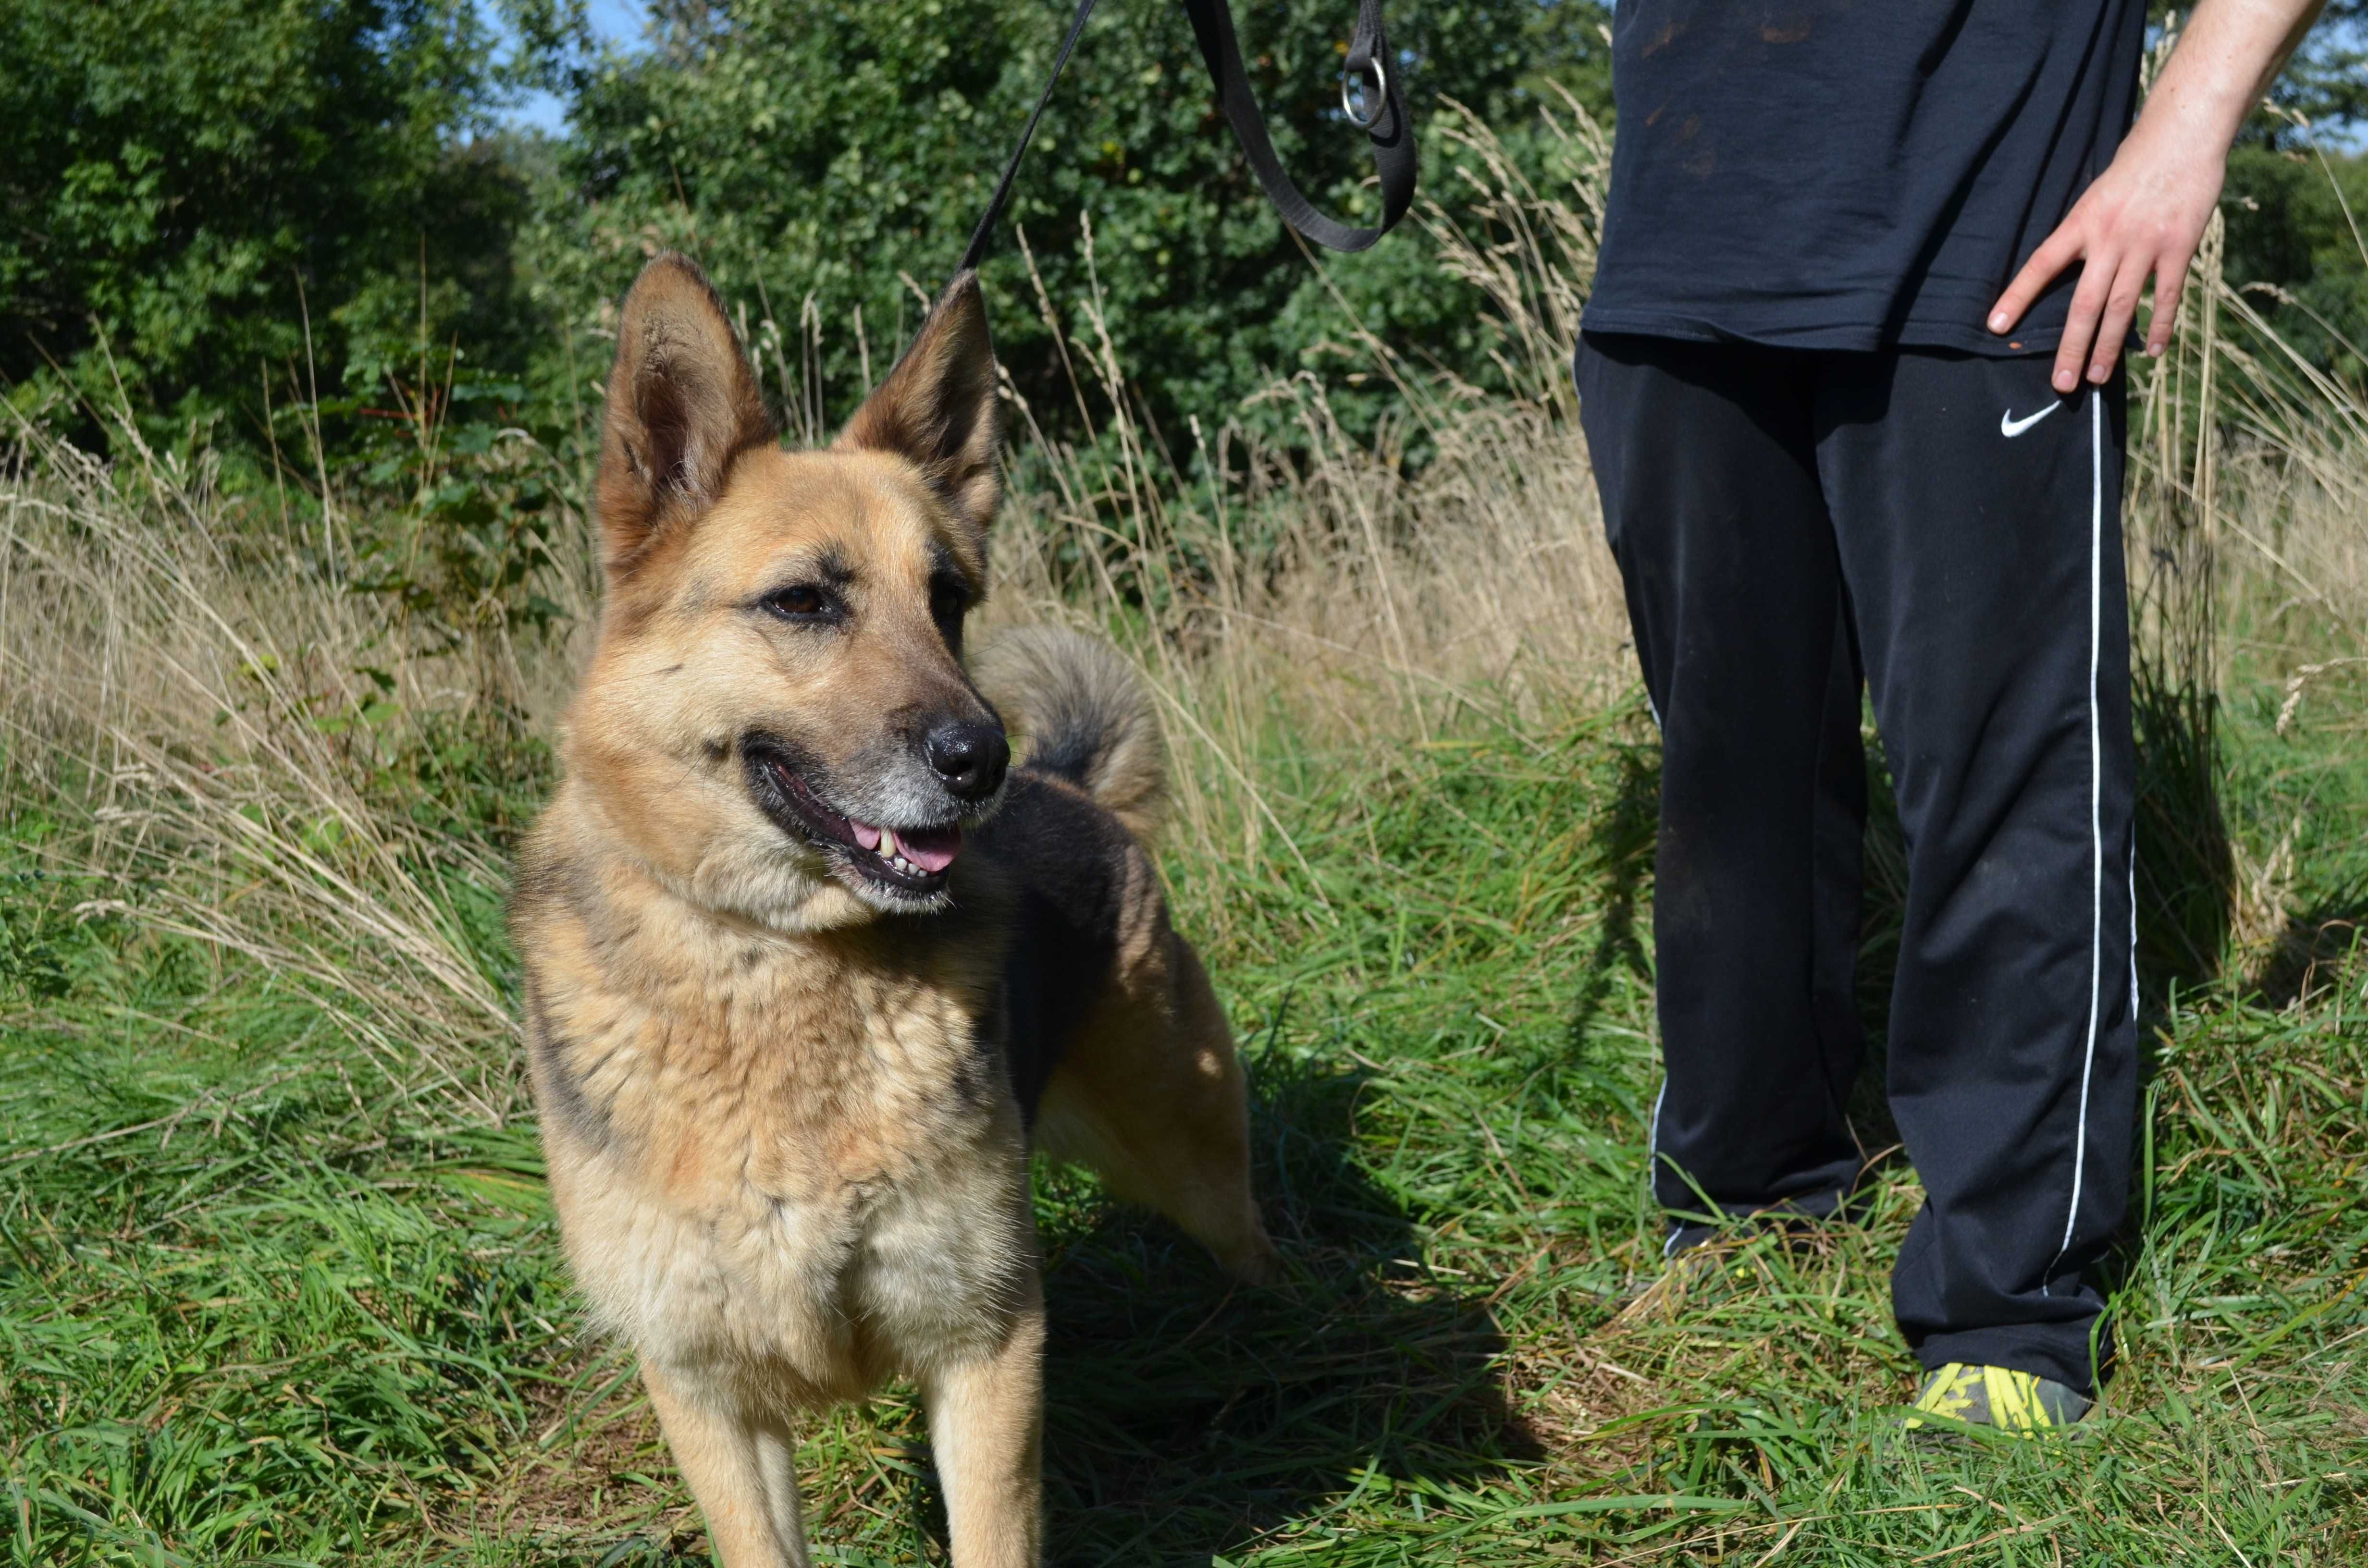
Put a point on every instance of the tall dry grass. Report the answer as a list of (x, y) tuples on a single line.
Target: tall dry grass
[(185, 681), (1335, 591), (184, 696)]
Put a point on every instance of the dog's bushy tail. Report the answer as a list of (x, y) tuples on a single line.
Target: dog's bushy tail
[(1083, 715)]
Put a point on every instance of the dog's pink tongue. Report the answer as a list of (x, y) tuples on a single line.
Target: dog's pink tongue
[(866, 834), (931, 848)]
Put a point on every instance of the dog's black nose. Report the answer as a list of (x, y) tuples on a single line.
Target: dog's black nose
[(969, 757)]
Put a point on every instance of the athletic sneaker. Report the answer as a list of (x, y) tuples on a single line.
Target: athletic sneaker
[(1998, 1397)]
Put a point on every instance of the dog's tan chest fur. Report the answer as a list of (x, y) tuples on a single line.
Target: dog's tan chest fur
[(787, 1154)]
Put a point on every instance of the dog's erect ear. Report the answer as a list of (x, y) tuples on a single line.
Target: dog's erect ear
[(681, 406), (936, 407)]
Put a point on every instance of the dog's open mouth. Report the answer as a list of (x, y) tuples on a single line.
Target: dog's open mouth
[(904, 859)]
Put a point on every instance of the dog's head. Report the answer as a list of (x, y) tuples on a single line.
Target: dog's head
[(778, 718)]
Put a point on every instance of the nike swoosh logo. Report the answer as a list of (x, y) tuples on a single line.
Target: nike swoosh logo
[(2010, 426)]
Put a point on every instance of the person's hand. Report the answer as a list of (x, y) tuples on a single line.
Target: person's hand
[(2143, 217)]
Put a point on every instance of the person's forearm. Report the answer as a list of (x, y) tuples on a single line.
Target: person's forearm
[(2227, 55)]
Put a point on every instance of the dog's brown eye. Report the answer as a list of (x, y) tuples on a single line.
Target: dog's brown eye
[(800, 601), (947, 603)]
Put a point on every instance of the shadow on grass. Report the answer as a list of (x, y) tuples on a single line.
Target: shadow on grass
[(1185, 1419), (2313, 951), (2186, 866), (1620, 838)]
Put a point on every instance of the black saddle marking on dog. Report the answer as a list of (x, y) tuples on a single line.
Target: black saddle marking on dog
[(1068, 858)]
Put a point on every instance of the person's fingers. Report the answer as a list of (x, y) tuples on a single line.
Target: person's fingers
[(2080, 324), (2121, 308), (2058, 250), (2169, 282)]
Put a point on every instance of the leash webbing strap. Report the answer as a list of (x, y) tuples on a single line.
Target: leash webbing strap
[(975, 252), (1212, 24), (1393, 156)]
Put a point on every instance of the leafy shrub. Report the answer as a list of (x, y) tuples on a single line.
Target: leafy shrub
[(809, 153), (185, 185), (2292, 226)]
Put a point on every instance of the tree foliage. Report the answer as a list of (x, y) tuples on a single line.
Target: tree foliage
[(2294, 198), (813, 150), (2296, 221), (185, 185), (198, 195), (2327, 82)]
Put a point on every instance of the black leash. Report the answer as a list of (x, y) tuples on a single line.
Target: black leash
[(1379, 111)]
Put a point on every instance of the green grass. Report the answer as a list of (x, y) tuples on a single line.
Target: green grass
[(256, 1305)]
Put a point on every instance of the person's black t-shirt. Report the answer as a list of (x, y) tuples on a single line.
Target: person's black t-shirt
[(1853, 174)]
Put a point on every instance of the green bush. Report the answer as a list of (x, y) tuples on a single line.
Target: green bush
[(199, 197), (2291, 225), (184, 183), (811, 151)]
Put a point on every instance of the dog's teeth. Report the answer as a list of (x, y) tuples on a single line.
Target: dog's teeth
[(889, 847)]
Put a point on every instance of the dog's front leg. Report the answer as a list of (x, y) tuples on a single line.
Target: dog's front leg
[(739, 1473), (986, 1426)]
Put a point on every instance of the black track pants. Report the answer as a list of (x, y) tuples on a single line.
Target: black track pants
[(1783, 520)]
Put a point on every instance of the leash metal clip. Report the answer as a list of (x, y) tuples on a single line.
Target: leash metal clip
[(1376, 96)]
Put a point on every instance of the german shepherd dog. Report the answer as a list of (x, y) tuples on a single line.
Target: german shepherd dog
[(807, 961)]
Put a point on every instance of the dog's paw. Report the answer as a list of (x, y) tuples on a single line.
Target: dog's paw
[(1258, 1266)]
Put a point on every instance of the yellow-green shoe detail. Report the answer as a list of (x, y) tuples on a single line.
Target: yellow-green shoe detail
[(2020, 1403)]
